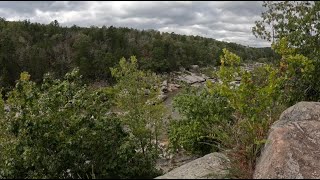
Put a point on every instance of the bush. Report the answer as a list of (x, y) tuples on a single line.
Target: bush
[(298, 73), (205, 116), (64, 130), (255, 104), (236, 117)]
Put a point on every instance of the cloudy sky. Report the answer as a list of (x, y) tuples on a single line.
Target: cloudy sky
[(224, 20)]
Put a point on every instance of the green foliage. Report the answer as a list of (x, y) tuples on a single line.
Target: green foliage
[(295, 20), (236, 117), (296, 23), (298, 72), (41, 48), (138, 106), (1, 106), (229, 59), (64, 130), (255, 104), (205, 117)]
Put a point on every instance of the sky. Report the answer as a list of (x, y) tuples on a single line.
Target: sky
[(229, 21)]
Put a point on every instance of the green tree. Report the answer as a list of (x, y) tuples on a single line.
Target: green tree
[(41, 48), (297, 71), (139, 108), (297, 22), (83, 56)]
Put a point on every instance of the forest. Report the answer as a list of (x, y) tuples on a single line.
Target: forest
[(41, 48)]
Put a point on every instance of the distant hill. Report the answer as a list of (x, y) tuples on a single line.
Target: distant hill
[(40, 48)]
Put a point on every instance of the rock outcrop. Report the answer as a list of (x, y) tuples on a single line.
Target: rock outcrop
[(173, 87), (251, 66), (165, 88), (292, 150), (191, 78), (210, 166), (162, 97)]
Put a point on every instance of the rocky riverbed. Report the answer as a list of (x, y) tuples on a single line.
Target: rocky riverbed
[(194, 77)]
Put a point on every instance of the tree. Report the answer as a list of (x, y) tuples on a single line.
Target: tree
[(41, 48), (83, 57), (140, 110), (9, 69), (298, 23)]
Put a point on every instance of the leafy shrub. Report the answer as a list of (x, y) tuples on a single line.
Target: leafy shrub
[(64, 130), (298, 73), (238, 117), (255, 104), (205, 116)]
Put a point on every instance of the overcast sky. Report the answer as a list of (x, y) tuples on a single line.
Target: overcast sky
[(224, 20)]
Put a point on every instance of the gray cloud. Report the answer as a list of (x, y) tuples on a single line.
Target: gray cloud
[(221, 20)]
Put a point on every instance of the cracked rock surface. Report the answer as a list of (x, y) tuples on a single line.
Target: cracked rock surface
[(292, 150), (211, 166)]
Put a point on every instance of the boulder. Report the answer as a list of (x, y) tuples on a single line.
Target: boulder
[(196, 84), (194, 68), (191, 79), (182, 69), (210, 166), (292, 149), (164, 89), (162, 97), (164, 86), (169, 161), (164, 83), (205, 76), (173, 87)]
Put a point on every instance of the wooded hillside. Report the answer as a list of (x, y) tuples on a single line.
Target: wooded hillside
[(41, 48)]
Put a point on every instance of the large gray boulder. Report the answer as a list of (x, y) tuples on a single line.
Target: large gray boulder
[(292, 150), (210, 166), (191, 78)]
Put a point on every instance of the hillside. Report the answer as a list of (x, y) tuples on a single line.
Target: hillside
[(40, 48)]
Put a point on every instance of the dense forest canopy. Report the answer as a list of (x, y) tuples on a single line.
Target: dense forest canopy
[(41, 48)]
